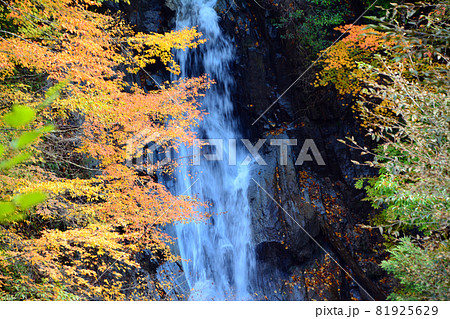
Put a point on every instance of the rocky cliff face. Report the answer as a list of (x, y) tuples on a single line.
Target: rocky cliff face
[(266, 65), (290, 203)]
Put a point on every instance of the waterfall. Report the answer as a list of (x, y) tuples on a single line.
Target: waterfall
[(218, 258)]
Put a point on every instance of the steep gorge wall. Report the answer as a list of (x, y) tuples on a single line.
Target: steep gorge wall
[(266, 66)]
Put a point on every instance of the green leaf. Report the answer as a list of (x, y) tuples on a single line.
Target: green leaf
[(359, 183), (25, 139), (25, 201), (47, 128), (14, 161), (28, 137), (19, 116), (6, 208), (8, 213), (2, 149), (53, 93)]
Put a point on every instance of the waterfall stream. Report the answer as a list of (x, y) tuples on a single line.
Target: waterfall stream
[(218, 259)]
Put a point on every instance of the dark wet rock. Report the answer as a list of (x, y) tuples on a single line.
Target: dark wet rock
[(373, 270), (266, 65)]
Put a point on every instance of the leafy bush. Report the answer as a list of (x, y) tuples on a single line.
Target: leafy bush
[(18, 121), (310, 25), (423, 272), (403, 100)]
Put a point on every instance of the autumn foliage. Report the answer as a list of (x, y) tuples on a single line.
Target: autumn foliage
[(340, 61), (397, 72), (81, 242)]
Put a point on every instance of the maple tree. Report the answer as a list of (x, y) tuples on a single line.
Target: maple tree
[(99, 212), (340, 61), (343, 68)]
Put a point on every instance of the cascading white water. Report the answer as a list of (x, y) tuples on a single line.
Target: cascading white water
[(220, 261)]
